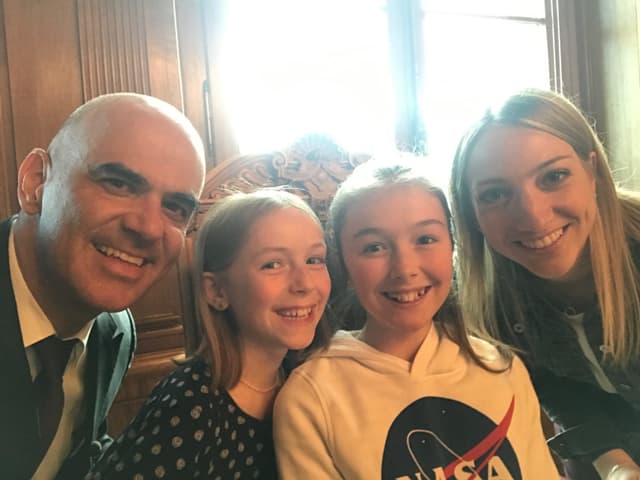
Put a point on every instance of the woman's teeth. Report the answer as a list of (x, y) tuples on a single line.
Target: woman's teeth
[(545, 241)]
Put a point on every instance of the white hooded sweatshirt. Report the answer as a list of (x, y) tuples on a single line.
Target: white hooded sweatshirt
[(353, 412)]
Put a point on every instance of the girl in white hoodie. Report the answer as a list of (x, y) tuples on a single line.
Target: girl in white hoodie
[(410, 396)]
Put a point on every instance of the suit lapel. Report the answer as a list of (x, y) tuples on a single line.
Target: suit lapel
[(102, 378)]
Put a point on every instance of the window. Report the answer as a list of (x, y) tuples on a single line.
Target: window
[(294, 66), (374, 73), (475, 53)]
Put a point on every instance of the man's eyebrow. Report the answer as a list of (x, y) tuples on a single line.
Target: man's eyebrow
[(189, 200), (112, 168)]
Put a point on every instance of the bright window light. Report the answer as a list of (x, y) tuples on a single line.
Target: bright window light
[(466, 72), (297, 66), (292, 67)]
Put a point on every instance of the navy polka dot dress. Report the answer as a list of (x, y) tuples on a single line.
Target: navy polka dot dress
[(185, 431)]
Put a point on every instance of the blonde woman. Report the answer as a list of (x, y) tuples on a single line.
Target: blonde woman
[(548, 256)]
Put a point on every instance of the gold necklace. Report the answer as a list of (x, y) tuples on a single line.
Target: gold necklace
[(268, 389)]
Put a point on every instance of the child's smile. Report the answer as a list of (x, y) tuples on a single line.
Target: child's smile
[(398, 253)]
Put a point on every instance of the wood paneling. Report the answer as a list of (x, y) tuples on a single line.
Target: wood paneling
[(44, 71), (617, 73), (8, 167), (191, 45), (162, 51), (158, 315), (113, 47), (222, 139)]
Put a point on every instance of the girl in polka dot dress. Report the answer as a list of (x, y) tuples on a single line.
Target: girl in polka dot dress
[(263, 286)]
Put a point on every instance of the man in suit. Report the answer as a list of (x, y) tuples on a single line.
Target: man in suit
[(103, 214)]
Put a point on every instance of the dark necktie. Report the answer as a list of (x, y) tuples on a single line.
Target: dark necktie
[(54, 355)]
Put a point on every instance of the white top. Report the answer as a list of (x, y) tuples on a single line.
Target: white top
[(35, 326), (576, 321), (356, 413)]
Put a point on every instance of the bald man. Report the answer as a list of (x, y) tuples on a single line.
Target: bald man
[(103, 215)]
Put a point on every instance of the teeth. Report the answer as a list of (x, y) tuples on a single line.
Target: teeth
[(406, 297), (295, 312), (544, 241), (125, 257)]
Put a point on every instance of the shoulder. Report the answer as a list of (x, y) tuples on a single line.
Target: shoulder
[(185, 389), (171, 429), (193, 375), (307, 381), (342, 348), (508, 370), (489, 354)]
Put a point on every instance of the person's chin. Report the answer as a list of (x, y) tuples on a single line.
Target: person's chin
[(553, 273), (300, 343), (113, 300)]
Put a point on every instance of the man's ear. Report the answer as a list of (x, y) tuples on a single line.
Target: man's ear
[(31, 178), (214, 292)]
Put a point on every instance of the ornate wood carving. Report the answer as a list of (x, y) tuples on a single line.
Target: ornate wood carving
[(313, 167)]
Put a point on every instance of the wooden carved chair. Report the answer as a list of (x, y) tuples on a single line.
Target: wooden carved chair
[(313, 166)]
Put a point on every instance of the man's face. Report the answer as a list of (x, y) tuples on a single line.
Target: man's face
[(114, 214)]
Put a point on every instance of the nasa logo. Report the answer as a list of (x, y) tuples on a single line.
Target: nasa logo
[(442, 439)]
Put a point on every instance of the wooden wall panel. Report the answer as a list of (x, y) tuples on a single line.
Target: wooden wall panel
[(224, 143), (44, 71), (162, 51), (158, 315), (8, 167), (191, 50), (618, 78), (113, 47)]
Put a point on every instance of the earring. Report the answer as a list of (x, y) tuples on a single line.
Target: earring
[(220, 305)]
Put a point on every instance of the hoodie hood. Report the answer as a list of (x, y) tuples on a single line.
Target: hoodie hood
[(437, 355)]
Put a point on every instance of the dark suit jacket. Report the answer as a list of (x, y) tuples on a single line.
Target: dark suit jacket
[(109, 352)]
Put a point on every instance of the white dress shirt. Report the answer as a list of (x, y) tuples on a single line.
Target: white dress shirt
[(576, 322)]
